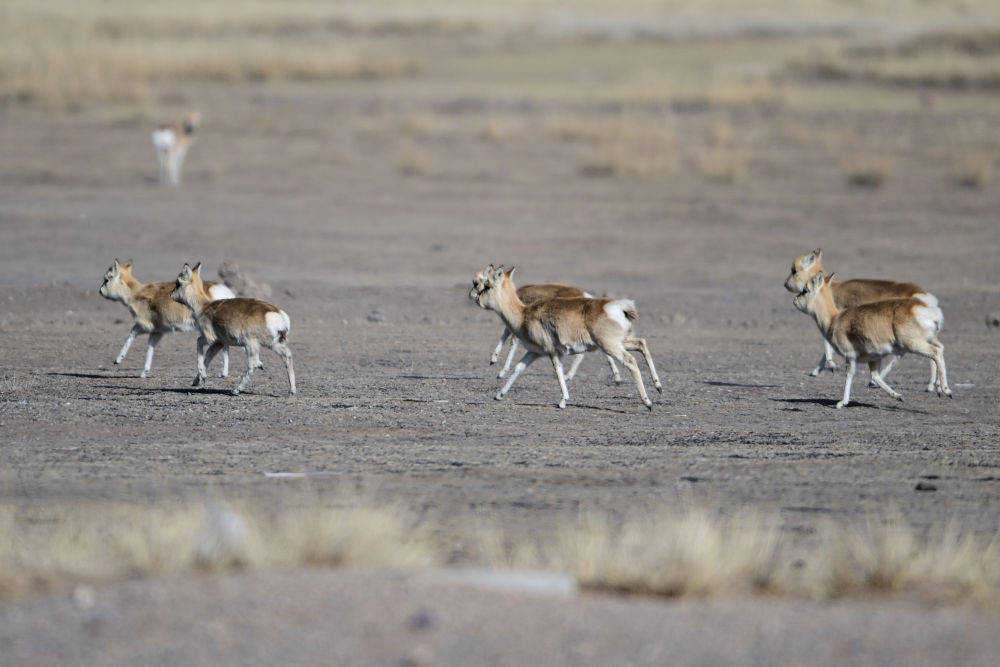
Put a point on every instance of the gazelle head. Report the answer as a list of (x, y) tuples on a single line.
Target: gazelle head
[(808, 299), (803, 269), (115, 285), (188, 288), (479, 282), (489, 296)]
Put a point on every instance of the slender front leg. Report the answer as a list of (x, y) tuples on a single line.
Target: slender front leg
[(577, 360), (510, 358), (873, 366), (225, 362), (614, 369), (253, 356), (136, 330), (826, 361), (640, 344), (942, 374), (202, 373), (528, 359), (557, 365), (503, 341), (154, 340), (884, 365), (851, 367)]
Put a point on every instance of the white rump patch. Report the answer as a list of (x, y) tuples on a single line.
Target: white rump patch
[(927, 298), (220, 291), (616, 311), (588, 295), (164, 139), (277, 322), (929, 318)]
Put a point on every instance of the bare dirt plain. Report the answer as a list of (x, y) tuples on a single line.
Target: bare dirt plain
[(305, 190)]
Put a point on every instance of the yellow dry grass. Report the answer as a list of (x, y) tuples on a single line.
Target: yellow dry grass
[(690, 553)]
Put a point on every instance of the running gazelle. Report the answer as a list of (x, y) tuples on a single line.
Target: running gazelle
[(876, 332), (530, 294), (248, 323), (559, 327), (850, 293), (153, 311)]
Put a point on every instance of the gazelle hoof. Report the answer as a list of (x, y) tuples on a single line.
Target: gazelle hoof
[(841, 404), (118, 361), (899, 397), (649, 405), (142, 374), (618, 381), (501, 375), (814, 372), (222, 375), (562, 404), (930, 388), (197, 381), (236, 392), (498, 397), (659, 388)]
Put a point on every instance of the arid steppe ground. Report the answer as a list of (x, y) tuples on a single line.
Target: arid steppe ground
[(367, 203)]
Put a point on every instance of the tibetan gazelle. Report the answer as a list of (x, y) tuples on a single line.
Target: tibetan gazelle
[(248, 323), (153, 311), (530, 294), (559, 327), (172, 143), (851, 293), (875, 332)]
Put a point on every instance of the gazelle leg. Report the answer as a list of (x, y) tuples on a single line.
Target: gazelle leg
[(253, 353), (136, 330), (615, 376), (852, 366), (499, 348), (873, 366), (154, 340), (575, 364), (557, 365), (628, 361), (202, 374), (510, 358), (933, 384), (884, 366), (286, 355), (224, 373), (826, 361), (640, 344), (942, 374), (528, 359)]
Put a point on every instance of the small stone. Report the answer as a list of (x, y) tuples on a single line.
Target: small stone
[(84, 597), (376, 316), (924, 486), (993, 320), (422, 620)]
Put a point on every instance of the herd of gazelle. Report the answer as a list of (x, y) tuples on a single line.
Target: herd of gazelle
[(873, 321)]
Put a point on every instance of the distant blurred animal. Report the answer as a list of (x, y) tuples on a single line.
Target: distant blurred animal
[(153, 311), (530, 294), (876, 332), (850, 293), (247, 323), (172, 143)]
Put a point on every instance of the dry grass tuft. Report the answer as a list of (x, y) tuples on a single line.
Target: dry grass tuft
[(866, 171), (973, 170), (627, 146), (890, 557), (692, 553), (414, 162)]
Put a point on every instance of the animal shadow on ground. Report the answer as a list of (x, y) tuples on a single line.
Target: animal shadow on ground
[(719, 383), (831, 403), (173, 390)]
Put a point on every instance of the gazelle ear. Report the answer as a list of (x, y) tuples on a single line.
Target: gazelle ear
[(817, 282), (128, 264), (510, 271), (810, 260), (185, 272), (819, 253), (197, 268), (829, 278), (497, 275), (116, 267)]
